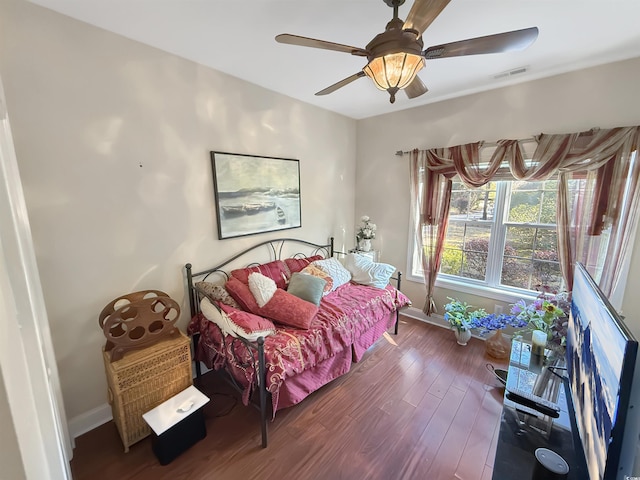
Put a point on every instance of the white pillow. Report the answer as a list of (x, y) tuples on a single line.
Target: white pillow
[(263, 288), (335, 270), (367, 272), (211, 313)]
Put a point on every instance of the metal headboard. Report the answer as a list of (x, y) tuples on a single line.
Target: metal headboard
[(275, 248)]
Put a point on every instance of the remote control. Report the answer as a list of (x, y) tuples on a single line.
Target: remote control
[(530, 400)]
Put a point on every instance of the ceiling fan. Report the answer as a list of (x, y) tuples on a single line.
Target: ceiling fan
[(396, 55)]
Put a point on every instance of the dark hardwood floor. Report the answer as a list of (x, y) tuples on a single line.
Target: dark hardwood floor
[(418, 406)]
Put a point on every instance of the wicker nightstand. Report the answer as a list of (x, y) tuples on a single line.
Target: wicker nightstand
[(142, 380)]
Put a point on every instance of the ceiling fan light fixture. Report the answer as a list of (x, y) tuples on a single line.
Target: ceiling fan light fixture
[(394, 71), (396, 55)]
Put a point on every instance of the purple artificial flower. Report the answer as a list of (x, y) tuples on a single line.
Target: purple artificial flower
[(518, 307)]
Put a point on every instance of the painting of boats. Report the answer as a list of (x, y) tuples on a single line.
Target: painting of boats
[(255, 194), (247, 209), (232, 210)]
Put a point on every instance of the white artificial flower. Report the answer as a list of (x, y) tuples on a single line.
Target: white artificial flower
[(367, 230)]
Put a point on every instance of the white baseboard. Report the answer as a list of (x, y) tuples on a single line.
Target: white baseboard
[(85, 422)]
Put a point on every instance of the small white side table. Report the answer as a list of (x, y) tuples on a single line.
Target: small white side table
[(177, 424), (373, 254)]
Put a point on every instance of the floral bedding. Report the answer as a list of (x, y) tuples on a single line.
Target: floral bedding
[(344, 316)]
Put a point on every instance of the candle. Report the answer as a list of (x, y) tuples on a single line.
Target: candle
[(538, 342)]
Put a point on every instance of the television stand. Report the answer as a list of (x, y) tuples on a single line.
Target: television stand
[(523, 430)]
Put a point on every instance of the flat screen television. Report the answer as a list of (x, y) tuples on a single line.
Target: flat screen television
[(601, 367)]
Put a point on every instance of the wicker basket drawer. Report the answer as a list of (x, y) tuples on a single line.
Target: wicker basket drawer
[(142, 380)]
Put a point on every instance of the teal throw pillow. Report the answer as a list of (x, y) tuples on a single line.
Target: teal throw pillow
[(307, 287)]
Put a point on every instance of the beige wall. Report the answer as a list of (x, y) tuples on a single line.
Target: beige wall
[(113, 140), (604, 97)]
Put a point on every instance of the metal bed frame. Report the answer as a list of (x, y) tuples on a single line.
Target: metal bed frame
[(275, 248)]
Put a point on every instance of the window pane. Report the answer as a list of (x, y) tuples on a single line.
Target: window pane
[(516, 272), (531, 258), (455, 235), (482, 203), (465, 250), (459, 205), (451, 261), (546, 244), (533, 202), (546, 264), (547, 274), (520, 241), (452, 252), (475, 265), (472, 203), (548, 210), (527, 186), (525, 206)]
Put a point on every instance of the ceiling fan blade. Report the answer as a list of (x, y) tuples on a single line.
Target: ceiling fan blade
[(341, 83), (423, 13), (312, 42), (498, 43), (415, 88)]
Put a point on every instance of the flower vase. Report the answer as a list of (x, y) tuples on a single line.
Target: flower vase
[(462, 336), (364, 244), (497, 345)]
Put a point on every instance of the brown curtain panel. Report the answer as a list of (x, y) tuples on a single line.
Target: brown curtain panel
[(431, 195), (596, 227)]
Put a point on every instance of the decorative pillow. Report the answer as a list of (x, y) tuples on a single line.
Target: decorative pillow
[(276, 271), (262, 288), (241, 294), (289, 310), (283, 307), (307, 287), (367, 272), (334, 268), (215, 293), (215, 315), (297, 264), (248, 325), (318, 272)]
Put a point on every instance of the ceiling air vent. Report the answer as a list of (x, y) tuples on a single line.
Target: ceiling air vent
[(510, 73)]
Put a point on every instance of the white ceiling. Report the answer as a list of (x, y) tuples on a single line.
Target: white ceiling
[(237, 37)]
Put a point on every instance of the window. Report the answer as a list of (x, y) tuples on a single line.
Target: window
[(501, 236)]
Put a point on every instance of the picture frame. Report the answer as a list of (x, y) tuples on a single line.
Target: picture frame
[(255, 194)]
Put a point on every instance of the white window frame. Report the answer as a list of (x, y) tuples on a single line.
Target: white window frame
[(490, 287)]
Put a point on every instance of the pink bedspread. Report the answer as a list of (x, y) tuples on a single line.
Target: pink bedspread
[(344, 316)]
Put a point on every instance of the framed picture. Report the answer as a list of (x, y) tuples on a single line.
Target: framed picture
[(255, 194)]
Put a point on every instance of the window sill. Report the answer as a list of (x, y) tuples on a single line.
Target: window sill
[(506, 295)]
